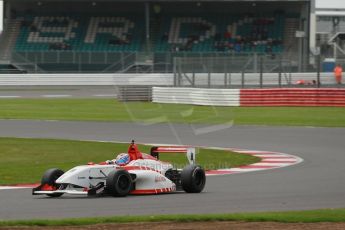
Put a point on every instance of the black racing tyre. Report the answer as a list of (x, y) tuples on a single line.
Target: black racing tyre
[(193, 179), (49, 177), (119, 183)]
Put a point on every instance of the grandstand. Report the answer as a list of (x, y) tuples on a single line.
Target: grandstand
[(113, 36)]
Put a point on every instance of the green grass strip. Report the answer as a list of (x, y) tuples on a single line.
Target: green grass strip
[(111, 110), (312, 216), (24, 160)]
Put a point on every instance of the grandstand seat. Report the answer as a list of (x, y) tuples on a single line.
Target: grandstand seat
[(266, 31), (80, 33), (190, 33)]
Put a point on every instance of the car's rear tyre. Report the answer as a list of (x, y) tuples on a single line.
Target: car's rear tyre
[(49, 178), (119, 183), (193, 179)]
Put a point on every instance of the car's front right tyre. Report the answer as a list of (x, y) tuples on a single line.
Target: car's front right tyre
[(49, 178), (193, 179)]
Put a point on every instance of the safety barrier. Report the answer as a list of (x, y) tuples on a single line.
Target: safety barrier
[(196, 96), (293, 97), (201, 79), (250, 97), (134, 93), (84, 79)]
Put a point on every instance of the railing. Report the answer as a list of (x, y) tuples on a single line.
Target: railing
[(10, 71), (74, 62), (125, 62), (135, 62), (25, 65), (72, 57)]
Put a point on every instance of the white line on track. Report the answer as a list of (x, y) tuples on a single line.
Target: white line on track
[(271, 155), (287, 160), (10, 96), (242, 170), (272, 164), (251, 151), (11, 187), (55, 96)]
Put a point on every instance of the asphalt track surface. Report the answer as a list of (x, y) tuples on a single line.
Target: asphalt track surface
[(316, 183)]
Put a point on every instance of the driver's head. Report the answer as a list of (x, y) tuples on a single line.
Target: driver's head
[(122, 159)]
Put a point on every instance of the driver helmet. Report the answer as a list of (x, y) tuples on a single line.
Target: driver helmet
[(122, 159)]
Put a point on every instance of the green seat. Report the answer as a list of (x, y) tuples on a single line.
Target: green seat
[(77, 43)]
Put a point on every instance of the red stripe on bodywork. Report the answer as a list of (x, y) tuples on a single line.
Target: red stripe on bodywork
[(135, 168), (143, 191), (143, 168), (150, 191)]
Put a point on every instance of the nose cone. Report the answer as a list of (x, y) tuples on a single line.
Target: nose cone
[(78, 176)]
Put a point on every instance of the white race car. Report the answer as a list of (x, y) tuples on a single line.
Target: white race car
[(143, 174)]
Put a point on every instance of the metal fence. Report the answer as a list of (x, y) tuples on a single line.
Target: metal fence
[(131, 62), (249, 71), (71, 57), (180, 63), (74, 62)]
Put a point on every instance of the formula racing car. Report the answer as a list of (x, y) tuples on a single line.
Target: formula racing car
[(133, 172)]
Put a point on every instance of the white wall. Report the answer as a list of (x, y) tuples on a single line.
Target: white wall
[(196, 96), (1, 15), (330, 4), (85, 79), (270, 79)]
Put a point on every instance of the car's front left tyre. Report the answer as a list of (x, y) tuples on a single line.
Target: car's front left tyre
[(119, 183)]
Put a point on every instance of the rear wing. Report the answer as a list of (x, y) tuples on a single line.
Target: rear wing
[(189, 151)]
